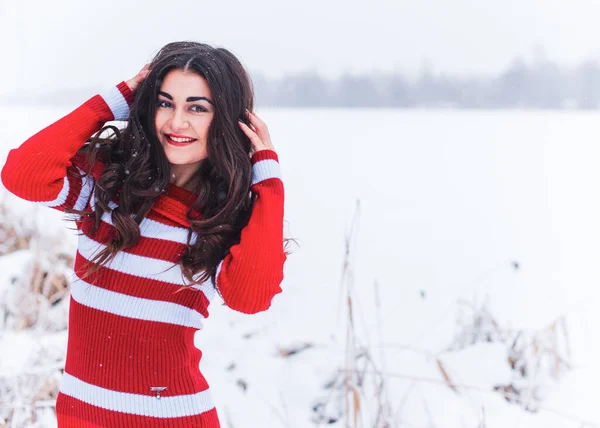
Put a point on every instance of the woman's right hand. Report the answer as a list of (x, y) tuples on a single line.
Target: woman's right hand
[(139, 78)]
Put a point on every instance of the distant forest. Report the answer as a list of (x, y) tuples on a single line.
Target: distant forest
[(542, 84), (539, 84)]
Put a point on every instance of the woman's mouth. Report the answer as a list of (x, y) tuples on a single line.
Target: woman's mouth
[(179, 141)]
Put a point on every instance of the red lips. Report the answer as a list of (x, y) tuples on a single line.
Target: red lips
[(176, 143)]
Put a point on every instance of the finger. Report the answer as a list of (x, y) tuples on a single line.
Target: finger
[(254, 138), (261, 129), (248, 122), (253, 114), (259, 126), (142, 76), (255, 119), (249, 131), (144, 71)]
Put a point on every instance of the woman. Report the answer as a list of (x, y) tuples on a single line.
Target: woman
[(185, 202)]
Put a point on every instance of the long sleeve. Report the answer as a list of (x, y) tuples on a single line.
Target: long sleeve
[(250, 275), (43, 168)]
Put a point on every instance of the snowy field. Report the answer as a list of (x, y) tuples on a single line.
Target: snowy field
[(462, 214)]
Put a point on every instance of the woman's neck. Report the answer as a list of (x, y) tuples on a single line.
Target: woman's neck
[(184, 177)]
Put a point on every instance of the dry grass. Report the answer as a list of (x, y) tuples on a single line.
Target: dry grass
[(360, 387), (15, 233), (534, 357), (33, 304), (358, 394)]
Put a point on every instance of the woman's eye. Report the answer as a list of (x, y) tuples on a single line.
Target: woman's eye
[(162, 103), (197, 108)]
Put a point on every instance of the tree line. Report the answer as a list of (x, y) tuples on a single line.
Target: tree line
[(542, 84)]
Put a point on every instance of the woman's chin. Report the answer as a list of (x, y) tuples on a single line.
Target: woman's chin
[(183, 159)]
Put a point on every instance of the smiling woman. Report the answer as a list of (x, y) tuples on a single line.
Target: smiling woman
[(183, 117), (184, 203)]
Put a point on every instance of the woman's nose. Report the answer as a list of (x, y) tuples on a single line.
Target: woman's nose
[(179, 120)]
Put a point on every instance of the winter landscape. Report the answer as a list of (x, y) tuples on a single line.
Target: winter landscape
[(446, 275)]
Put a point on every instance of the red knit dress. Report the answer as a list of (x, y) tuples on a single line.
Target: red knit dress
[(131, 359)]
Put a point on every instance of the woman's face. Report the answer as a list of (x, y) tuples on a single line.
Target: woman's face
[(184, 112)]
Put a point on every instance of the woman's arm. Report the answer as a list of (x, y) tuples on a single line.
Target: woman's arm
[(43, 168), (250, 275)]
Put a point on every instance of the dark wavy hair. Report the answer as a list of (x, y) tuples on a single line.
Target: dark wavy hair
[(137, 170)]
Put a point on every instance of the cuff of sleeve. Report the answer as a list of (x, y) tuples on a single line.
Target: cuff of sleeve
[(124, 89), (118, 98), (265, 165), (264, 154)]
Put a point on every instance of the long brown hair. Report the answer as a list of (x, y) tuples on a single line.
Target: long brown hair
[(137, 169)]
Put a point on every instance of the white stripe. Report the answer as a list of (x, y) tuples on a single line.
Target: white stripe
[(219, 266), (150, 228), (87, 186), (137, 404), (264, 169), (116, 103), (141, 266), (134, 307), (61, 198)]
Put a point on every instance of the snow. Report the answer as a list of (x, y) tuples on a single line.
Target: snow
[(449, 201)]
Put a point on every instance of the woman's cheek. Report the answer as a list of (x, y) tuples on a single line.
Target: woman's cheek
[(159, 120)]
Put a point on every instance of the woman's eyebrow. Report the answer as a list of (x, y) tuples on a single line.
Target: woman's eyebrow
[(189, 99)]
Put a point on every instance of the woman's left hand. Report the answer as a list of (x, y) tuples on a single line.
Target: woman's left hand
[(257, 132)]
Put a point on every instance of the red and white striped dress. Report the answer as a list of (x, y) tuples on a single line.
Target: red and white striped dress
[(131, 359)]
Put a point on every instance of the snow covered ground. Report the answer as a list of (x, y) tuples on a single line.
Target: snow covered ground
[(477, 234)]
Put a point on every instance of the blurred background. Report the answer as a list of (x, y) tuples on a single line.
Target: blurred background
[(530, 53), (441, 166)]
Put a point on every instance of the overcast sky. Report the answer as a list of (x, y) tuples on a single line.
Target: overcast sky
[(62, 43)]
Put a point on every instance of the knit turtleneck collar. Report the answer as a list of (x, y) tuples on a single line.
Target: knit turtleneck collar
[(174, 204)]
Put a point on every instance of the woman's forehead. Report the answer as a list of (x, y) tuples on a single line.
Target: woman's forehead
[(184, 84)]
